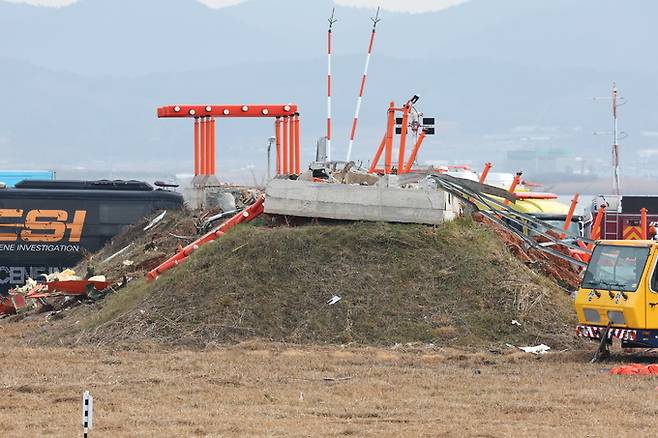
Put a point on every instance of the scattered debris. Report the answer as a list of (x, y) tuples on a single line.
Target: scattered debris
[(560, 270), (237, 248), (337, 379), (635, 369), (155, 221), (333, 300), (118, 253), (537, 349), (515, 322)]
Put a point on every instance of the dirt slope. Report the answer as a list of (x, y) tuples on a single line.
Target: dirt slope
[(456, 284)]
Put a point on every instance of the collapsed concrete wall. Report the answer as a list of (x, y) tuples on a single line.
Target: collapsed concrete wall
[(359, 202)]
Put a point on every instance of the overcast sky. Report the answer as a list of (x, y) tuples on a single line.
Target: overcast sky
[(393, 5)]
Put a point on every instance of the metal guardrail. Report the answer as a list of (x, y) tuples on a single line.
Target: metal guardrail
[(482, 198)]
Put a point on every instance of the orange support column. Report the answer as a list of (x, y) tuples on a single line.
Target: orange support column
[(515, 182), (485, 172), (644, 227), (197, 156), (208, 147), (277, 136), (212, 146), (388, 159), (572, 209), (403, 139), (414, 151), (378, 155), (286, 146), (292, 155), (298, 152), (596, 227), (202, 145)]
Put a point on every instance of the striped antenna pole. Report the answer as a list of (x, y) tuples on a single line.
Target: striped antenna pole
[(615, 142), (363, 86), (332, 20), (617, 135)]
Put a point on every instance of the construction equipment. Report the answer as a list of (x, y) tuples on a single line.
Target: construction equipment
[(618, 297)]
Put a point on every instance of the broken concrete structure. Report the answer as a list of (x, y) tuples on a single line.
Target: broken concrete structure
[(381, 202)]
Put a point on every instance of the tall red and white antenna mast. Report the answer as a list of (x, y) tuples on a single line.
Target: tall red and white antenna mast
[(363, 85), (331, 23), (615, 141), (617, 101)]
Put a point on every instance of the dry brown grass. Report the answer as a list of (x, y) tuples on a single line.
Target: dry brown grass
[(253, 389)]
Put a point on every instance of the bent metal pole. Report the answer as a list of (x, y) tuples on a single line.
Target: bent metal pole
[(363, 86)]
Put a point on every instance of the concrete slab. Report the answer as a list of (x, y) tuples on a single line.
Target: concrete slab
[(356, 202)]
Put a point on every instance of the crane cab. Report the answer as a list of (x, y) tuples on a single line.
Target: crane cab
[(620, 289)]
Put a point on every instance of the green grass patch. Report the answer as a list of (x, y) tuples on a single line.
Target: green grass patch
[(454, 284)]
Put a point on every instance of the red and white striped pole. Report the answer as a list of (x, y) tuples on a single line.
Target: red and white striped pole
[(331, 23), (363, 86)]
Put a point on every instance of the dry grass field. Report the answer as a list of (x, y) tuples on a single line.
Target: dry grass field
[(177, 357), (265, 389)]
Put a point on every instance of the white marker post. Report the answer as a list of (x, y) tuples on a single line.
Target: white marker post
[(87, 413)]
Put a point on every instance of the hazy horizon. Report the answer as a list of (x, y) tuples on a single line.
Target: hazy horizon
[(509, 81)]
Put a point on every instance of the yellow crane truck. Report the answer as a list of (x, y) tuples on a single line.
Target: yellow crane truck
[(618, 297)]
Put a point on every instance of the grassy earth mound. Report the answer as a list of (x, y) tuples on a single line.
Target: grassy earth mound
[(455, 284)]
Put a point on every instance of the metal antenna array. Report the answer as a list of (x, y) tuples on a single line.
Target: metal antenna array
[(617, 101), (375, 20)]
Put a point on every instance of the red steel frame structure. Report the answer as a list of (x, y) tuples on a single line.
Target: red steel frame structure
[(386, 144), (286, 128)]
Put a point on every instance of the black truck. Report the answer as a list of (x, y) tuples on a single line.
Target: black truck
[(46, 226)]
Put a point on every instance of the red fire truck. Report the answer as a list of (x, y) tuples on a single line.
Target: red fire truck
[(622, 217)]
